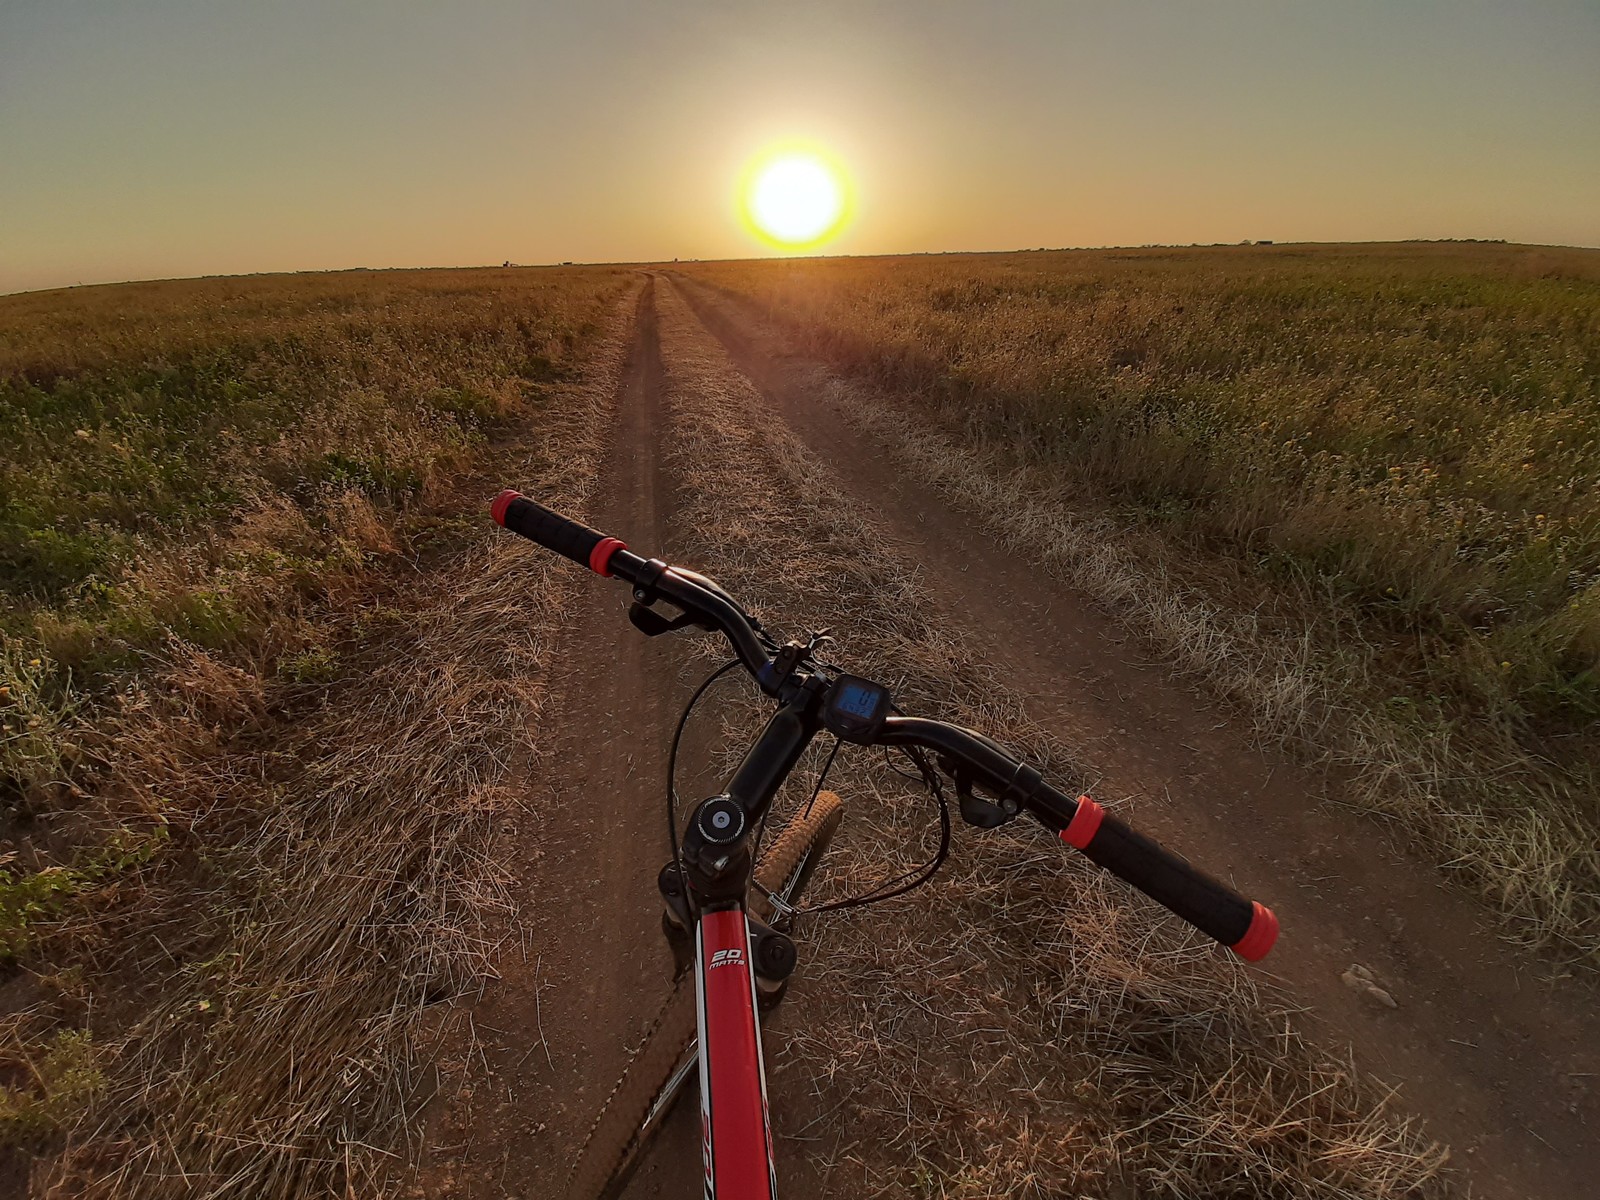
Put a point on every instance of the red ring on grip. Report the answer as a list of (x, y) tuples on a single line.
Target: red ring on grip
[(600, 556), (497, 509), (1258, 939), (1084, 825)]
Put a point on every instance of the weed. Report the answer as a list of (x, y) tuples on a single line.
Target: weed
[(63, 1082), (28, 899), (36, 707), (312, 665)]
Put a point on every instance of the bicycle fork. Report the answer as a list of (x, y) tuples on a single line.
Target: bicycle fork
[(772, 953)]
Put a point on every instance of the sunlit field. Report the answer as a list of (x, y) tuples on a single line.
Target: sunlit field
[(1390, 454), (184, 458), (244, 588), (270, 683)]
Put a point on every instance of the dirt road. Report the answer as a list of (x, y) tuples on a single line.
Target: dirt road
[(582, 976), (1496, 1056)]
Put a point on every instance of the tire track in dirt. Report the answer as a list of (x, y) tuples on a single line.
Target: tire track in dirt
[(1496, 1058), (584, 967)]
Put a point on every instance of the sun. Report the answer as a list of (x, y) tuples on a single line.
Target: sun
[(795, 199)]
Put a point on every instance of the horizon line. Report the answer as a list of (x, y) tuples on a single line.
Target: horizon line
[(1264, 243)]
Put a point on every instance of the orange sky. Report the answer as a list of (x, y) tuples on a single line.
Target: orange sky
[(183, 137)]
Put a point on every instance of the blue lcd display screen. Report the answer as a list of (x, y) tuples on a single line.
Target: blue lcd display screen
[(856, 700)]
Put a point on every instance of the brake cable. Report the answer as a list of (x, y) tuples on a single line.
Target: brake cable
[(816, 791), (915, 877), (672, 758)]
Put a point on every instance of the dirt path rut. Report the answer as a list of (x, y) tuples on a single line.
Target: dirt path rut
[(584, 973)]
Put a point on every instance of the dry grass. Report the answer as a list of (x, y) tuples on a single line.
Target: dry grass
[(1023, 1026), (278, 863), (1352, 490)]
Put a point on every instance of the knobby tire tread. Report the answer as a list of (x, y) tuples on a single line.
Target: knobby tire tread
[(614, 1148), (810, 828)]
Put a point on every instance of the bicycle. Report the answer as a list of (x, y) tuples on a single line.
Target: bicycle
[(726, 912)]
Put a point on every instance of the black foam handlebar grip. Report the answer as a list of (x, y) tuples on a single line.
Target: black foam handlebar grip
[(551, 530), (1247, 928)]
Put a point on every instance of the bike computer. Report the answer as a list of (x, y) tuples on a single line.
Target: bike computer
[(855, 709)]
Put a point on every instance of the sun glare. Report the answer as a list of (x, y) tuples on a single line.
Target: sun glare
[(795, 199)]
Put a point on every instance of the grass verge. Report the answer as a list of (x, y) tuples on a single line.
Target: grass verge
[(274, 851), (1428, 626)]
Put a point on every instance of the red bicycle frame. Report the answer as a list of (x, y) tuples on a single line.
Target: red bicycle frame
[(736, 1137)]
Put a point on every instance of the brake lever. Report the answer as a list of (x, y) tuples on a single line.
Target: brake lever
[(716, 589), (649, 622), (977, 811)]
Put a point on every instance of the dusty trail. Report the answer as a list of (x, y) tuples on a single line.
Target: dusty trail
[(586, 970), (1497, 1057)]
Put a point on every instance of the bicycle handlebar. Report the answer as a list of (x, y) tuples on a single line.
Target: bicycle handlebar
[(1247, 928), (572, 539), (609, 556)]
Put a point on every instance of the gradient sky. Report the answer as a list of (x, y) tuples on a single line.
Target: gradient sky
[(182, 137)]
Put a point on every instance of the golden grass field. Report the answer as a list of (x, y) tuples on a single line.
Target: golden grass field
[(267, 674), (259, 686), (1377, 466)]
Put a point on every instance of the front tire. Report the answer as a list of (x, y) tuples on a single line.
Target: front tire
[(788, 861)]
